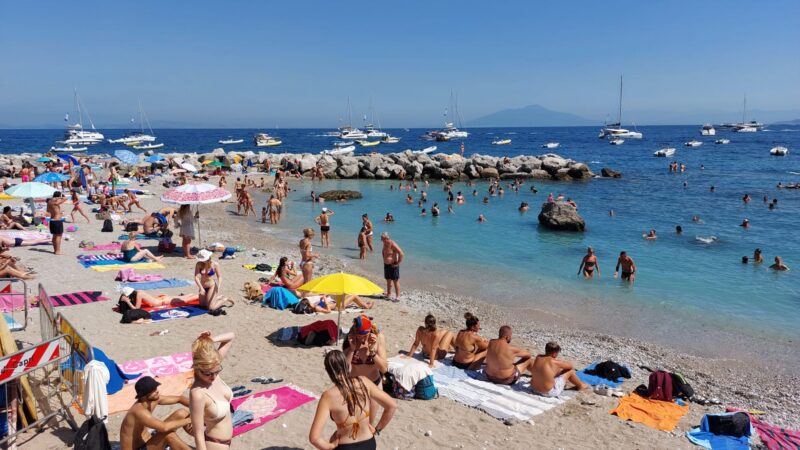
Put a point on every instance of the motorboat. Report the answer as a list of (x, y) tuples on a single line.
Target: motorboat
[(722, 141), (148, 146), (779, 151), (339, 151), (616, 141), (693, 143), (551, 145), (75, 134), (501, 141), (68, 149), (350, 133), (230, 140), (744, 128), (136, 136), (442, 137), (450, 131), (343, 144), (664, 152), (265, 140), (390, 139), (364, 143), (425, 150), (708, 130), (615, 130), (371, 132)]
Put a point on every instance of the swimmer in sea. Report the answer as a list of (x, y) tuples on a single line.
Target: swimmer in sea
[(779, 265), (746, 198), (409, 200), (474, 193), (423, 213), (745, 223), (485, 200), (611, 213), (678, 229), (685, 184), (460, 198), (481, 218), (628, 267), (712, 189), (389, 217), (450, 209), (651, 235), (745, 259), (523, 207), (757, 257), (435, 210), (589, 264)]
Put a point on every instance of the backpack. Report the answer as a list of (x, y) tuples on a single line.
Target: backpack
[(108, 226), (92, 435), (659, 386), (425, 389), (736, 425), (131, 226), (680, 388)]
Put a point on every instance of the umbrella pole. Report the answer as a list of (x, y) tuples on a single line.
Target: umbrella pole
[(339, 302), (199, 235)]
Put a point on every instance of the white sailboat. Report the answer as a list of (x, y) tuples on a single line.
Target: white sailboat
[(450, 131), (347, 132), (615, 130), (339, 151), (137, 137), (75, 134), (744, 126)]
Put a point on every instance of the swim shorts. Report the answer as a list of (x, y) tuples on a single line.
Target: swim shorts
[(56, 227), (391, 272), (557, 389)]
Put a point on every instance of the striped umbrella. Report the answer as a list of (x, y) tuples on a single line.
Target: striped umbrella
[(195, 194)]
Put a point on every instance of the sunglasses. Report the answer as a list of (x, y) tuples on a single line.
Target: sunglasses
[(209, 373)]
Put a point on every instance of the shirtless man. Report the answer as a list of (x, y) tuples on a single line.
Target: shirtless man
[(56, 220), (435, 343), (628, 267), (274, 206), (133, 200), (500, 355), (392, 257), (367, 224), (324, 226), (151, 224), (549, 375), (779, 265), (306, 254), (133, 433)]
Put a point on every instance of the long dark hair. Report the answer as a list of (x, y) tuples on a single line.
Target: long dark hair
[(471, 320), (351, 388), (281, 265)]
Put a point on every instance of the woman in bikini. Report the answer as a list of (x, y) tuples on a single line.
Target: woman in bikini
[(209, 397), (589, 264), (131, 253), (288, 277), (76, 207), (348, 405), (435, 343), (365, 352), (307, 255), (470, 347), (208, 278)]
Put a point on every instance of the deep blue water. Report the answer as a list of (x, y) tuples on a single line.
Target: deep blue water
[(509, 256)]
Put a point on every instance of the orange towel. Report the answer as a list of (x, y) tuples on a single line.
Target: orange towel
[(656, 414), (171, 385)]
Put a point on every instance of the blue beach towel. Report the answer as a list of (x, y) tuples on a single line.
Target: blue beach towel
[(118, 377), (594, 380), (279, 298), (140, 236), (110, 262), (160, 284), (13, 325), (704, 438), (182, 312)]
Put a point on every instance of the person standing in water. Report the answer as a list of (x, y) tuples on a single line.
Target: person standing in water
[(628, 267), (324, 226), (367, 224), (589, 264), (392, 257)]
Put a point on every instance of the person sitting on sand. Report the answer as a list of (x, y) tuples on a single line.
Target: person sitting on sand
[(365, 351), (131, 253), (208, 278), (779, 265), (290, 279), (432, 340), (549, 375), (589, 264), (133, 432), (501, 367), (8, 266), (469, 346), (8, 222)]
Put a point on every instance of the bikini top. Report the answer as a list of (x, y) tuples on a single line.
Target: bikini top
[(357, 361), (221, 408), (352, 422)]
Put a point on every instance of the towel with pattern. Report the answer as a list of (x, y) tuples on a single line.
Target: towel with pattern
[(160, 366), (269, 405), (181, 312), (140, 266), (107, 247), (106, 257), (139, 237), (78, 298)]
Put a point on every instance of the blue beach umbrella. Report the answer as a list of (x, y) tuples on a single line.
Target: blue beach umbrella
[(51, 177), (31, 190), (127, 157), (44, 159), (68, 158), (154, 158)]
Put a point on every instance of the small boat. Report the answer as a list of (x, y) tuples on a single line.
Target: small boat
[(722, 141), (664, 152), (551, 145), (745, 129), (339, 151), (265, 140), (779, 151), (390, 140), (133, 143), (343, 144), (148, 146), (230, 140), (708, 130), (364, 143), (616, 141), (442, 137), (68, 149), (425, 151), (693, 143), (501, 141)]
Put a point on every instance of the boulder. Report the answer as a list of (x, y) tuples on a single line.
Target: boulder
[(338, 194), (515, 175), (448, 174), (307, 163), (348, 171), (562, 174), (579, 174), (218, 152), (348, 161), (364, 173), (610, 173), (561, 216), (552, 164), (539, 174), (382, 174), (472, 171), (327, 164), (489, 172)]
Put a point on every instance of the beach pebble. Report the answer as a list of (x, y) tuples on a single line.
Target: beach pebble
[(284, 425), (429, 433)]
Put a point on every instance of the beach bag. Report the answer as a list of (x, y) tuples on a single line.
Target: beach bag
[(108, 226), (425, 389), (263, 268), (166, 246), (680, 388), (92, 435), (131, 226), (133, 315), (736, 425), (659, 386), (388, 382)]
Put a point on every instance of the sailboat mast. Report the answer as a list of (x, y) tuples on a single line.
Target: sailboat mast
[(744, 110), (141, 115), (619, 117), (78, 106)]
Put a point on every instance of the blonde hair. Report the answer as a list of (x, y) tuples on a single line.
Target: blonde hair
[(205, 354)]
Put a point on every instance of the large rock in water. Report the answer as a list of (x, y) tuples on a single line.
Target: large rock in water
[(336, 195), (610, 173), (561, 216)]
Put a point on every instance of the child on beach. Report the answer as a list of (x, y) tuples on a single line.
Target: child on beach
[(264, 215)]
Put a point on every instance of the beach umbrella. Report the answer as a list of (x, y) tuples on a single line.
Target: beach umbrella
[(154, 158), (189, 167), (68, 158), (216, 164), (126, 157), (195, 194), (30, 191), (341, 284), (44, 159), (51, 177)]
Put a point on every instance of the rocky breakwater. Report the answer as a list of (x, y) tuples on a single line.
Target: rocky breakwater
[(561, 216)]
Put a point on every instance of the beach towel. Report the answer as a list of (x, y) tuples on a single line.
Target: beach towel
[(656, 414), (253, 268), (594, 380), (105, 257), (13, 325), (12, 301), (116, 263), (77, 298), (279, 298), (181, 312), (160, 366), (190, 301), (328, 326), (117, 377), (140, 266), (95, 397), (132, 276), (170, 385), (158, 284), (268, 405), (26, 235), (499, 401), (703, 437), (139, 237), (775, 438), (408, 371), (107, 247)]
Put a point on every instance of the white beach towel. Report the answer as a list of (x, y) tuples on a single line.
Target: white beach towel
[(408, 371), (499, 401), (95, 396)]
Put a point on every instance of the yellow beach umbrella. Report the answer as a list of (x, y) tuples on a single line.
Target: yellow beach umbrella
[(6, 197)]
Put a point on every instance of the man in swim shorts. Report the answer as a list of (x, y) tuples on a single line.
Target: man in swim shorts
[(56, 220), (133, 433), (500, 355), (549, 375), (392, 257), (628, 267)]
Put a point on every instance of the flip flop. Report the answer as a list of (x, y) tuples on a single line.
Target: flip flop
[(260, 379), (238, 388), (242, 393), (278, 380)]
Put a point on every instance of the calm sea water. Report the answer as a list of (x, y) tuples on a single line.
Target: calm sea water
[(681, 280)]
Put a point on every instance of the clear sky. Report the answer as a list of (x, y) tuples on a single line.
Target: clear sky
[(294, 63)]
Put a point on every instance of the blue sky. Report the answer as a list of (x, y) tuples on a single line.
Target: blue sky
[(262, 64)]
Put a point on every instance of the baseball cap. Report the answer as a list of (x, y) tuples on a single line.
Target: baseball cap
[(145, 386), (324, 209)]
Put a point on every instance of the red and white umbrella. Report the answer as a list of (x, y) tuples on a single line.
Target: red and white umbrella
[(195, 194)]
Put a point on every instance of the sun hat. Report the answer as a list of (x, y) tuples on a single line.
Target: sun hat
[(203, 255), (127, 291), (145, 386), (324, 209), (363, 324)]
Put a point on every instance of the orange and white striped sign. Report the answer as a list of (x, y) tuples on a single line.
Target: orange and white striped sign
[(30, 359)]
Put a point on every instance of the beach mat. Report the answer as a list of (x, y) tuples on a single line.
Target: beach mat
[(25, 234), (138, 266), (181, 312), (269, 405), (656, 414), (139, 237), (774, 437), (499, 401), (594, 380), (170, 385), (105, 257), (158, 284), (12, 301), (160, 366), (78, 298), (104, 247)]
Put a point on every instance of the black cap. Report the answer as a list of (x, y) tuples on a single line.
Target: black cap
[(145, 386)]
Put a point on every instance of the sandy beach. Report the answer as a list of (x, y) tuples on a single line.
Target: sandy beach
[(582, 422)]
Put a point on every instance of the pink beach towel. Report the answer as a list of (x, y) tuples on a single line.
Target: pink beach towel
[(13, 301), (160, 366), (268, 405), (130, 275), (107, 247), (775, 438), (78, 298)]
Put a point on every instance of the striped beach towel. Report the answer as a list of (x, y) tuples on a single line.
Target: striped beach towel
[(137, 266), (77, 298), (139, 237), (775, 438), (106, 257)]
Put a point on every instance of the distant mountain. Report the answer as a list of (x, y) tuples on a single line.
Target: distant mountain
[(787, 122), (530, 116)]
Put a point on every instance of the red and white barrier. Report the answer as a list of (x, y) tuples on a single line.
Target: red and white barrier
[(30, 359)]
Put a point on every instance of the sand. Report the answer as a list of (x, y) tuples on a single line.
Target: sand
[(583, 422)]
